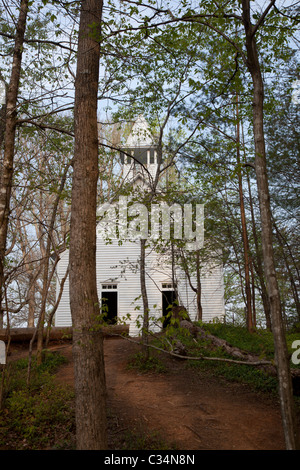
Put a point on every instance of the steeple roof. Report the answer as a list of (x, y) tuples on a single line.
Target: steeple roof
[(140, 135)]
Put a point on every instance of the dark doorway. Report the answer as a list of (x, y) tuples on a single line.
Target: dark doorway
[(168, 297), (110, 306)]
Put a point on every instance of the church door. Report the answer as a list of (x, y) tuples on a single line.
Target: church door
[(109, 304)]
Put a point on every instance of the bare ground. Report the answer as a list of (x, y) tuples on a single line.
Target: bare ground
[(189, 409)]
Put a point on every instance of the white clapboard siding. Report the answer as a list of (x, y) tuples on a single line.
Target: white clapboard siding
[(118, 264)]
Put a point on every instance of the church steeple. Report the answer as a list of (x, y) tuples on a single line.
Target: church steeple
[(139, 151)]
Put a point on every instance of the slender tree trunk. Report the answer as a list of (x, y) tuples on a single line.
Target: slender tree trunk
[(253, 292), (259, 264), (47, 276), (90, 388), (281, 352), (199, 304), (5, 369), (40, 327), (2, 121), (31, 301), (29, 267), (174, 283), (249, 317), (53, 311), (9, 140), (145, 330), (197, 289)]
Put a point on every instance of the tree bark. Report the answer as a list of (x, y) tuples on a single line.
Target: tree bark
[(281, 352), (90, 388), (9, 140)]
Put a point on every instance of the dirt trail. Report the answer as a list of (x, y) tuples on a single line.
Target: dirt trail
[(190, 408)]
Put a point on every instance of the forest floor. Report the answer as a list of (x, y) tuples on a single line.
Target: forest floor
[(189, 409)]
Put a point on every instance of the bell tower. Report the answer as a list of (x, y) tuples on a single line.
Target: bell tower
[(139, 155)]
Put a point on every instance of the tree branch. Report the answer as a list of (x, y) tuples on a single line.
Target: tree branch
[(262, 17)]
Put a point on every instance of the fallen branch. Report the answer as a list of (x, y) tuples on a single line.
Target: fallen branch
[(195, 358), (246, 359)]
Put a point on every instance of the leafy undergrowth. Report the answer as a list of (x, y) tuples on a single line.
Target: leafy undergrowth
[(42, 416), (258, 342), (37, 416), (152, 364), (141, 440), (135, 437)]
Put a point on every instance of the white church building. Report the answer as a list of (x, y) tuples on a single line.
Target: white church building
[(119, 250)]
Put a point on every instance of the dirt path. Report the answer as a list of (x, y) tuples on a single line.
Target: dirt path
[(191, 408)]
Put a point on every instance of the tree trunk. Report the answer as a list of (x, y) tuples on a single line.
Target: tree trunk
[(253, 292), (90, 388), (9, 140), (281, 352), (28, 260), (199, 304), (145, 330), (249, 316), (53, 311), (31, 301), (42, 314), (259, 265), (47, 276)]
